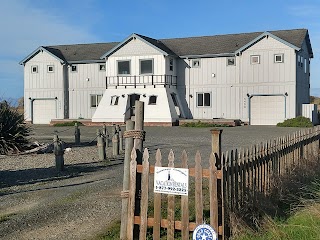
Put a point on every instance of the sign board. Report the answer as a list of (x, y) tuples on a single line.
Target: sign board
[(171, 180), (204, 231)]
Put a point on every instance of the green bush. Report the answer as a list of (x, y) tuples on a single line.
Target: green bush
[(200, 124), (296, 122), (67, 124), (13, 130)]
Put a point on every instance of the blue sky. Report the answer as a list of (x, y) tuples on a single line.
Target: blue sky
[(27, 24)]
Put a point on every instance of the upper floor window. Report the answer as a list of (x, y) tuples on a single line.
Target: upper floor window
[(203, 99), (123, 67), (74, 68), (231, 61), (146, 66), (95, 100), (255, 59), (152, 100), (50, 68), (34, 69), (171, 64), (195, 63), (278, 58), (102, 67), (305, 65), (114, 100)]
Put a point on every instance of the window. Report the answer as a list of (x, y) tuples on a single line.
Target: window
[(102, 67), (255, 59), (152, 100), (34, 69), (114, 100), (278, 58), (203, 99), (171, 64), (146, 66), (50, 68), (95, 100), (123, 67), (196, 63), (74, 68), (231, 61), (305, 65)]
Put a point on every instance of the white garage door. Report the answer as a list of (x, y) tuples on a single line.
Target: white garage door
[(44, 111), (267, 110)]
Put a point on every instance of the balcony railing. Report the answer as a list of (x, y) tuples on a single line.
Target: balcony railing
[(141, 80)]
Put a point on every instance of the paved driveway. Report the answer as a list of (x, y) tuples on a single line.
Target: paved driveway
[(178, 138)]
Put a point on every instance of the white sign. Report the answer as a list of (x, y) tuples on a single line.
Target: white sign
[(171, 180), (204, 232)]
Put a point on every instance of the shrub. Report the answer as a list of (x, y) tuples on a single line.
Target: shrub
[(67, 124), (296, 122), (13, 130), (200, 124)]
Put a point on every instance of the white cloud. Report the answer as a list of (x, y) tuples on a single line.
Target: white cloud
[(23, 29)]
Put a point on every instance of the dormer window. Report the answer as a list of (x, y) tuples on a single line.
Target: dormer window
[(123, 67)]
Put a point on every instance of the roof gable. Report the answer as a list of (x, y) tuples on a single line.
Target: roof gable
[(44, 49)]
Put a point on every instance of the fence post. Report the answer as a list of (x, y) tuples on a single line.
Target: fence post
[(76, 134), (120, 140), (125, 186), (115, 145), (58, 152), (138, 145), (106, 136), (100, 144), (216, 145)]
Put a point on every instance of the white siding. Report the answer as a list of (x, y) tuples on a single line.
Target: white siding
[(43, 84)]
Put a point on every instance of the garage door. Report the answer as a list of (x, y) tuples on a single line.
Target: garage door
[(43, 111), (267, 110)]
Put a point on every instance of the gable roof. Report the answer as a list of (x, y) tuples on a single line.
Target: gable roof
[(228, 44)]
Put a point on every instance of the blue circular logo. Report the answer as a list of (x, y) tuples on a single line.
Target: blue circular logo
[(204, 232)]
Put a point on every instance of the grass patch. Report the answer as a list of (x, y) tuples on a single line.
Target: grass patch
[(67, 124), (112, 232), (296, 122), (5, 217), (200, 124)]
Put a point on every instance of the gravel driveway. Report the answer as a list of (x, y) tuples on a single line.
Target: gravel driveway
[(36, 202)]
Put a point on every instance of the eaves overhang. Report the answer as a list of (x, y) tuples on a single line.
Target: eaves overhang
[(128, 39), (39, 49), (208, 55)]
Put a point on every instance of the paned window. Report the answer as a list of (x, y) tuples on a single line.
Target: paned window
[(203, 99), (195, 63), (34, 69), (74, 68), (95, 100), (255, 59), (278, 58), (102, 67), (123, 67), (50, 68), (171, 64), (146, 66)]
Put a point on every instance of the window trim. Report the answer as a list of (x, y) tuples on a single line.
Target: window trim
[(102, 64), (96, 100), (203, 93), (156, 98), (114, 100), (152, 66), (48, 66), (124, 74), (36, 69), (277, 55), (76, 68), (196, 60), (234, 62), (253, 56)]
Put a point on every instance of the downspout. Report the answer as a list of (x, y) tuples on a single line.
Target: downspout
[(189, 98)]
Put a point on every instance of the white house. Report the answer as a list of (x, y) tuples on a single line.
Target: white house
[(261, 78)]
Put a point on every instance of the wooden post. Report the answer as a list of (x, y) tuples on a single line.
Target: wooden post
[(138, 145), (106, 136), (100, 144), (120, 140), (216, 145), (58, 152), (125, 186), (76, 134), (115, 145)]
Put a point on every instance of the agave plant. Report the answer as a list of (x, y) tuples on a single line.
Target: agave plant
[(13, 130)]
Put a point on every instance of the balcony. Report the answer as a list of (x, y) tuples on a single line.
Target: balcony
[(141, 80)]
